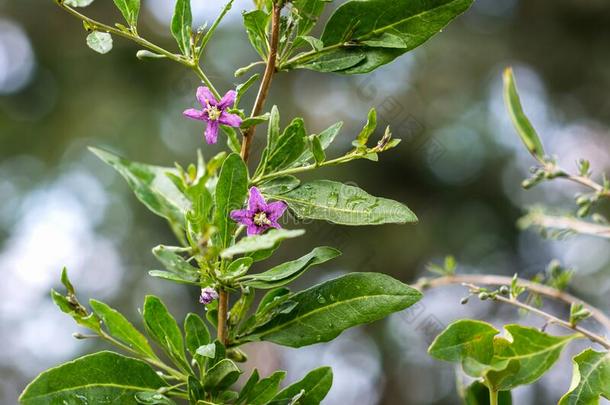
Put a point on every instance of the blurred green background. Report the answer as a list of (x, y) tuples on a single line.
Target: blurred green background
[(459, 168)]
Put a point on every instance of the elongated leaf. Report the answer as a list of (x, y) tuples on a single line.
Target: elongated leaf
[(153, 398), (197, 335), (286, 272), (247, 389), (231, 192), (120, 328), (343, 204), (130, 10), (181, 26), (78, 3), (326, 138), (224, 374), (104, 377), (324, 311), (359, 28), (176, 264), (289, 147), (478, 394), (308, 12), (590, 379), (265, 241), (530, 354), (163, 328), (367, 131), (265, 389), (311, 390), (151, 186), (256, 27), (522, 124)]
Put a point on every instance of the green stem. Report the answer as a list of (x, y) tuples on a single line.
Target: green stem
[(493, 397), (301, 169), (210, 32)]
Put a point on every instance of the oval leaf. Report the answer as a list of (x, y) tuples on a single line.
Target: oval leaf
[(104, 377), (231, 192), (322, 312), (343, 204), (311, 390), (100, 42)]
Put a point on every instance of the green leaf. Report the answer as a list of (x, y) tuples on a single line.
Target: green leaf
[(322, 312), (529, 353), (130, 10), (238, 267), (308, 12), (256, 22), (367, 131), (181, 26), (220, 377), (151, 186), (590, 379), (311, 390), (255, 243), (466, 341), (176, 265), (357, 28), (251, 121), (197, 335), (316, 149), (288, 148), (100, 42), (265, 389), (231, 192), (104, 377), (522, 124), (326, 138), (344, 204), (163, 328), (120, 328), (173, 277), (242, 88), (232, 140), (208, 351), (315, 43), (478, 394), (279, 185), (286, 272), (248, 386)]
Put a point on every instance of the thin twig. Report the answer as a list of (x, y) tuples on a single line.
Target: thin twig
[(263, 90), (550, 318), (567, 224), (223, 301), (537, 288)]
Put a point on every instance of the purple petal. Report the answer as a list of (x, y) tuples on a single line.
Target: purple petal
[(256, 202), (228, 100), (242, 216), (254, 230), (211, 132), (205, 96), (194, 114), (232, 120), (275, 210), (274, 224)]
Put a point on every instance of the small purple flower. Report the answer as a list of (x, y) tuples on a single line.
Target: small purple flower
[(208, 295), (214, 112), (259, 216)]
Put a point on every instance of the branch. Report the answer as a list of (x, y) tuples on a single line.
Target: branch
[(537, 288), (550, 318), (263, 90), (566, 224)]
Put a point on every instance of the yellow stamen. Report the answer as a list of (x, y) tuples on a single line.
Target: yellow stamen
[(260, 219)]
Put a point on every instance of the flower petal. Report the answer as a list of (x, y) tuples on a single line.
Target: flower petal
[(194, 114), (228, 100), (256, 202), (232, 120), (211, 132), (274, 224), (275, 210), (244, 217), (254, 230), (205, 96)]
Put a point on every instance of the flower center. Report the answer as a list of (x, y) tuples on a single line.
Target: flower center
[(260, 219), (213, 112)]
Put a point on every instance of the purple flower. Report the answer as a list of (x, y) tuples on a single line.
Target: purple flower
[(214, 112), (208, 295), (259, 216)]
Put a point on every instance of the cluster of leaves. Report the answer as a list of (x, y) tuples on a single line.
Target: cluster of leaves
[(524, 354), (211, 253)]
